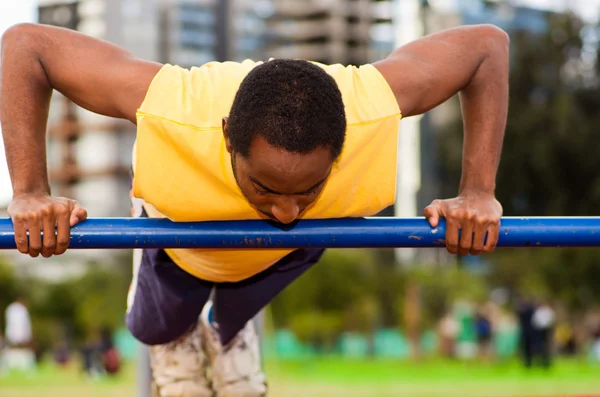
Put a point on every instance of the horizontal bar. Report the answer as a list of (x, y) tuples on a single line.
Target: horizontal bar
[(126, 233)]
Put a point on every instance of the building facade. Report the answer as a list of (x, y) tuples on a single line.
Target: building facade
[(89, 156)]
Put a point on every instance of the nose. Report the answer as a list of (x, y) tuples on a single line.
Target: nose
[(286, 210)]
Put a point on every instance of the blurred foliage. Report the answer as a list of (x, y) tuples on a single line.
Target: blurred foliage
[(10, 288), (549, 164), (103, 297), (566, 276), (549, 167), (73, 310), (336, 294), (343, 293), (440, 287)]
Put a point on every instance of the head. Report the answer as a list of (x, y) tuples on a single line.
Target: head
[(285, 130)]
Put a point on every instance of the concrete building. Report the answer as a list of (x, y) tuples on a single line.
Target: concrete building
[(195, 32), (336, 31), (89, 156)]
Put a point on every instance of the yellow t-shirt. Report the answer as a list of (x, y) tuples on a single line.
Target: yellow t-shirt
[(183, 170)]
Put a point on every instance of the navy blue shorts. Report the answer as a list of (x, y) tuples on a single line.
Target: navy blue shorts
[(166, 301)]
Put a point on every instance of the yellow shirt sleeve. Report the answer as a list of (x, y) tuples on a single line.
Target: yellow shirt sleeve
[(366, 94)]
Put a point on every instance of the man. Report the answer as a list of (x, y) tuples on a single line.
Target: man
[(543, 324), (19, 337), (279, 141), (18, 324)]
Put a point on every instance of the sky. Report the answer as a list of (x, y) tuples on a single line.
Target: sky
[(12, 12)]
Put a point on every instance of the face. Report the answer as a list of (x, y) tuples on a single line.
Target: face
[(279, 184)]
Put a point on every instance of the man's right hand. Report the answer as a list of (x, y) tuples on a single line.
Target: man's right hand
[(37, 213), (35, 60)]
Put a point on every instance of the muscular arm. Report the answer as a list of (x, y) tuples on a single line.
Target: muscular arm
[(101, 77), (36, 59), (472, 61)]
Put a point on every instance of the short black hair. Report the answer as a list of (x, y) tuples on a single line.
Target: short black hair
[(295, 105)]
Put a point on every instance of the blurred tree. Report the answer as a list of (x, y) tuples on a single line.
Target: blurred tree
[(71, 310), (550, 164), (341, 293), (440, 287), (320, 329), (102, 296), (10, 289), (53, 308)]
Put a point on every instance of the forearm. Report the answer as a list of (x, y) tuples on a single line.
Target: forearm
[(24, 101), (484, 103)]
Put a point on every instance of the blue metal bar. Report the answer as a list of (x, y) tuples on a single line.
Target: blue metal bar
[(124, 233)]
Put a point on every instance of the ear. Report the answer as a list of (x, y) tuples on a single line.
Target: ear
[(225, 128)]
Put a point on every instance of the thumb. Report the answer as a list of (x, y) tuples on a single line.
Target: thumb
[(78, 214), (433, 212)]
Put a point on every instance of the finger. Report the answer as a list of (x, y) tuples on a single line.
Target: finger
[(479, 238), (63, 233), (49, 241), (432, 213), (35, 236), (466, 238), (21, 234), (493, 233), (78, 214), (452, 236)]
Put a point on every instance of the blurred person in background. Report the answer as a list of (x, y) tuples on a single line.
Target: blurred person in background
[(111, 361), (484, 334), (19, 353), (543, 321), (448, 329), (466, 340), (61, 347), (525, 310), (566, 339), (99, 355), (2, 365), (595, 345), (277, 141), (62, 354)]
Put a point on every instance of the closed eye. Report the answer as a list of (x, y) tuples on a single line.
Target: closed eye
[(266, 193), (311, 191), (261, 192)]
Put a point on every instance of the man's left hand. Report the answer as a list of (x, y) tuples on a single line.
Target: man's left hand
[(475, 214)]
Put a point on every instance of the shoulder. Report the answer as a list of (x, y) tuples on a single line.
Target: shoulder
[(366, 93), (198, 96), (175, 76)]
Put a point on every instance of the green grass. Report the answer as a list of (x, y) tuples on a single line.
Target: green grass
[(51, 381), (337, 378), (435, 379)]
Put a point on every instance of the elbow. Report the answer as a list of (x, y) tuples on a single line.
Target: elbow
[(493, 40), (22, 35), (23, 45), (16, 32)]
